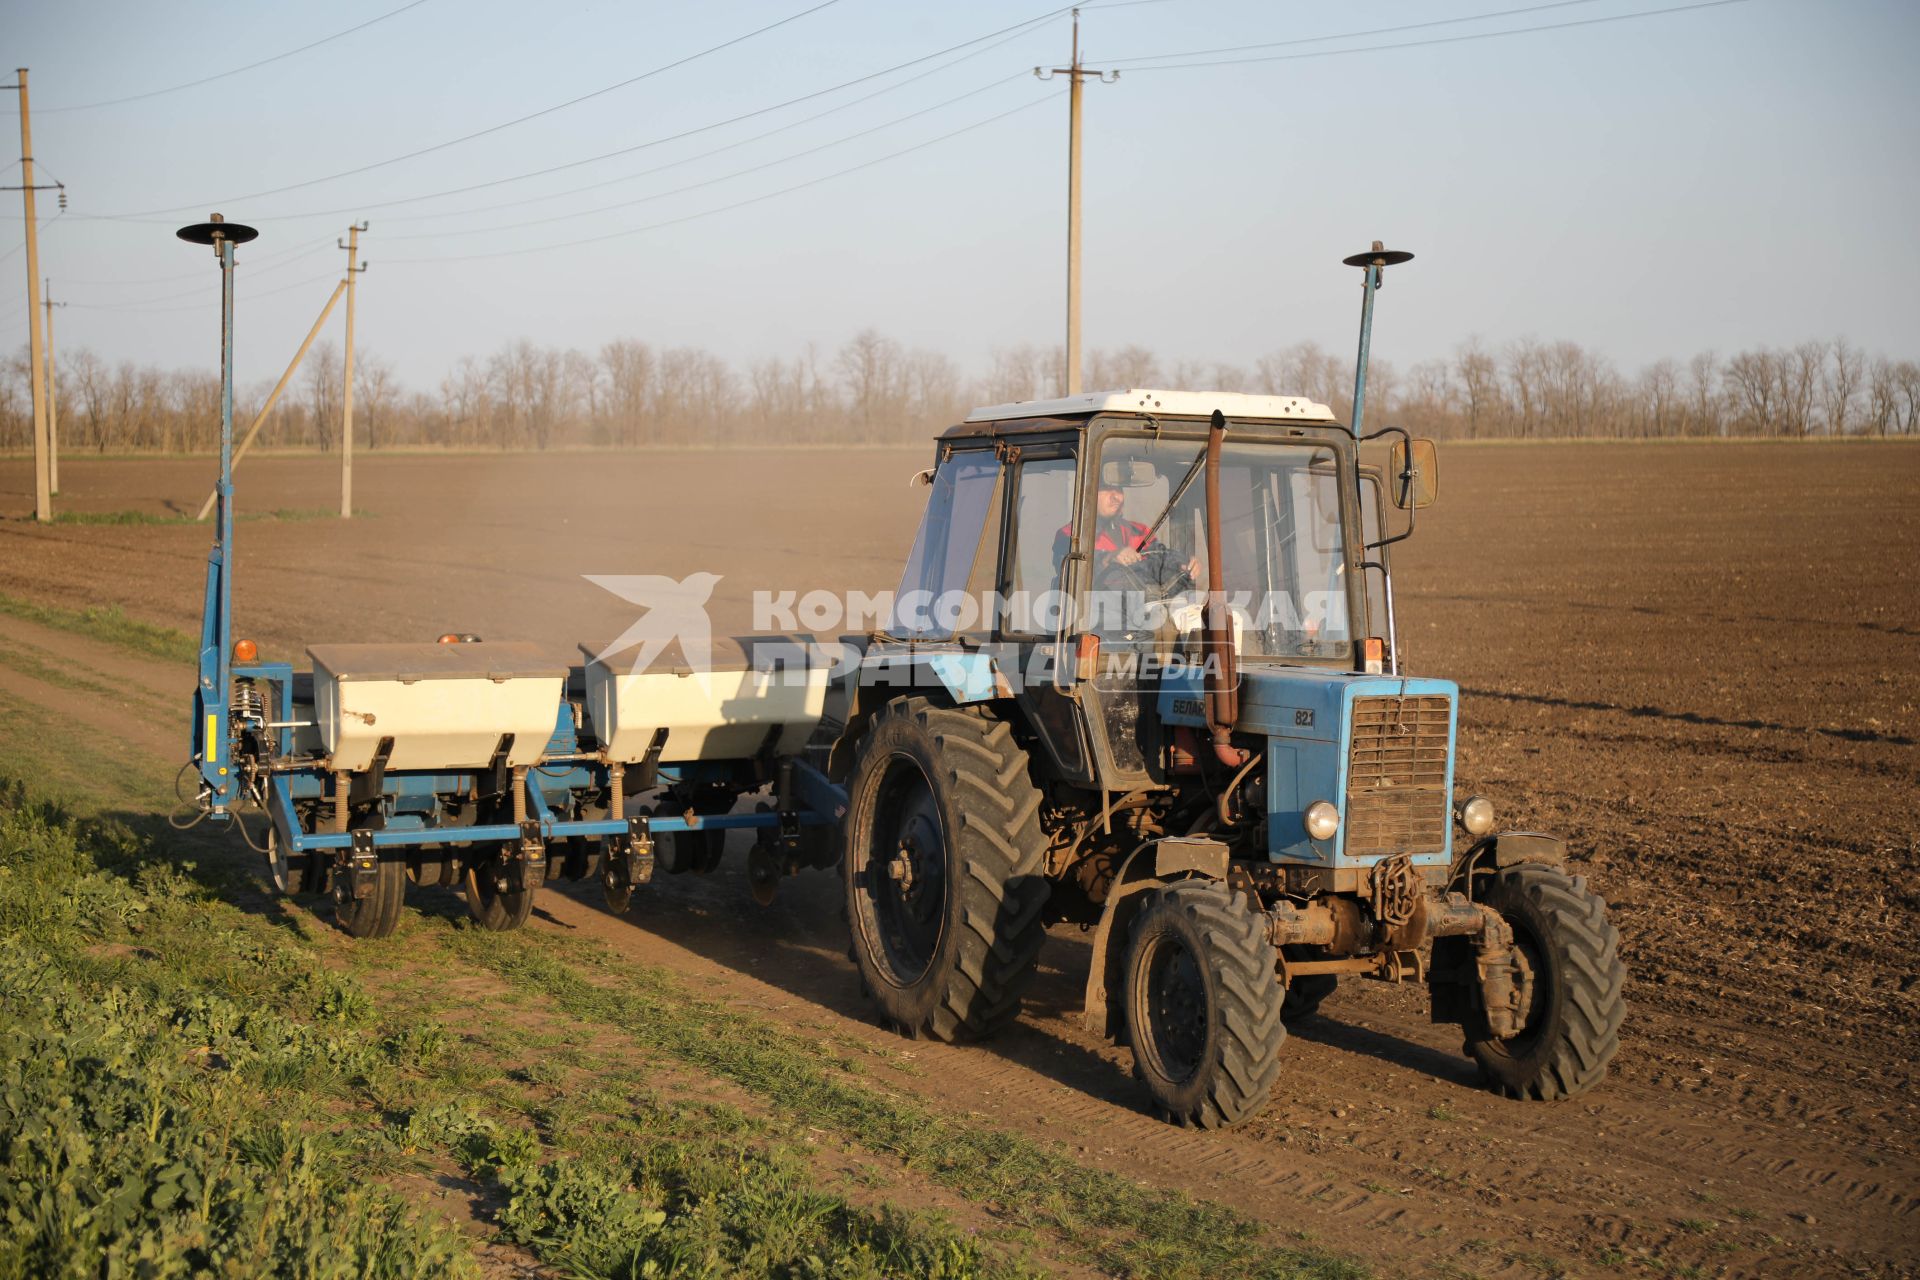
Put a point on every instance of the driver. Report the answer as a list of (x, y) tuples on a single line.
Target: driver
[(1123, 542)]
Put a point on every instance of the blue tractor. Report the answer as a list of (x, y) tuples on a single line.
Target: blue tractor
[(1143, 676)]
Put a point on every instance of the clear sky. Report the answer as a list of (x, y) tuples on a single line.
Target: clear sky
[(1714, 178)]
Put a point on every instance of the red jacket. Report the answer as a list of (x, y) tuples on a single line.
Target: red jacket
[(1135, 534)]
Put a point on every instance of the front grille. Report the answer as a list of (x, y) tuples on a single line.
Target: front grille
[(1397, 776)]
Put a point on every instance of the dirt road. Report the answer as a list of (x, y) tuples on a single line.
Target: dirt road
[(1699, 663)]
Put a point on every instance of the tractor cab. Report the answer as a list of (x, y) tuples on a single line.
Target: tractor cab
[(1065, 559)]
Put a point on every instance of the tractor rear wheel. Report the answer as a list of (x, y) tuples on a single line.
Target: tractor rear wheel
[(378, 914), (945, 870), (1203, 1005), (1571, 986)]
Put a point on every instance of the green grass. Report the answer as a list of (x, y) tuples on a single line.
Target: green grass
[(186, 1089), (106, 623), (146, 1126), (150, 517), (1102, 1219)]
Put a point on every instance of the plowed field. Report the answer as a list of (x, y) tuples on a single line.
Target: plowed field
[(1699, 663)]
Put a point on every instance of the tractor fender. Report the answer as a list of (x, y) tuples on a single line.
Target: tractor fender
[(948, 679), (1153, 865), (1504, 849)]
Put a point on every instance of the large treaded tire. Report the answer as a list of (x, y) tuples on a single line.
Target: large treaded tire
[(951, 955), (1210, 1064), (1577, 1004)]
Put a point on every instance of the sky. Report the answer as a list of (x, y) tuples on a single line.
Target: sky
[(1716, 177)]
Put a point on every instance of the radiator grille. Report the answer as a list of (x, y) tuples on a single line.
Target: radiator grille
[(1397, 776)]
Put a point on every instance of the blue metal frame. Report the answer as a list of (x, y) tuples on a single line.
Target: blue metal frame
[(216, 618)]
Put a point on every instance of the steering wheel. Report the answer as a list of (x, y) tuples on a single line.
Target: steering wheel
[(1116, 576), (1130, 578)]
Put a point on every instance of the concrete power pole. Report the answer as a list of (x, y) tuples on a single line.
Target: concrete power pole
[(1075, 73), (352, 246), (42, 473), (53, 396)]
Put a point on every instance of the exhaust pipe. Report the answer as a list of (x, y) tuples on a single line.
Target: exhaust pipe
[(1222, 675)]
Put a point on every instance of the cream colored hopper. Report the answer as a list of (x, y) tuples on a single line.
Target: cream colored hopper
[(755, 691), (444, 705)]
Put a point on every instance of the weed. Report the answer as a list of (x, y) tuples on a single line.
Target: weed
[(140, 1135), (419, 1045), (1540, 1264)]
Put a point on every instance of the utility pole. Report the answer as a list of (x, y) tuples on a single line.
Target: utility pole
[(42, 474), (352, 246), (53, 396), (1075, 73)]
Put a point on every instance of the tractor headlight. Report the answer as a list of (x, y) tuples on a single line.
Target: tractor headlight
[(1476, 815), (1321, 820)]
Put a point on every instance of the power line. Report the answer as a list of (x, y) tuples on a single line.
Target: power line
[(725, 147), (222, 75), (1703, 4), (211, 286), (725, 177), (1416, 44), (147, 310), (1355, 35), (255, 264), (741, 204), (1010, 32), (505, 124)]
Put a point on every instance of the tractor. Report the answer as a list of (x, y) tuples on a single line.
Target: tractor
[(1143, 676)]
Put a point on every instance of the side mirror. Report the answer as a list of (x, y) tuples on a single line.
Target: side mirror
[(920, 479), (1414, 474)]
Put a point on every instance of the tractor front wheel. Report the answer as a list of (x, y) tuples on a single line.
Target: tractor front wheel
[(1204, 1005), (1570, 980)]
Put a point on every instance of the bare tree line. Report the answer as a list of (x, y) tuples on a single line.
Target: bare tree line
[(631, 394)]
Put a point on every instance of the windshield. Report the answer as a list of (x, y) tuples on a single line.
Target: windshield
[(1281, 542), (951, 560)]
